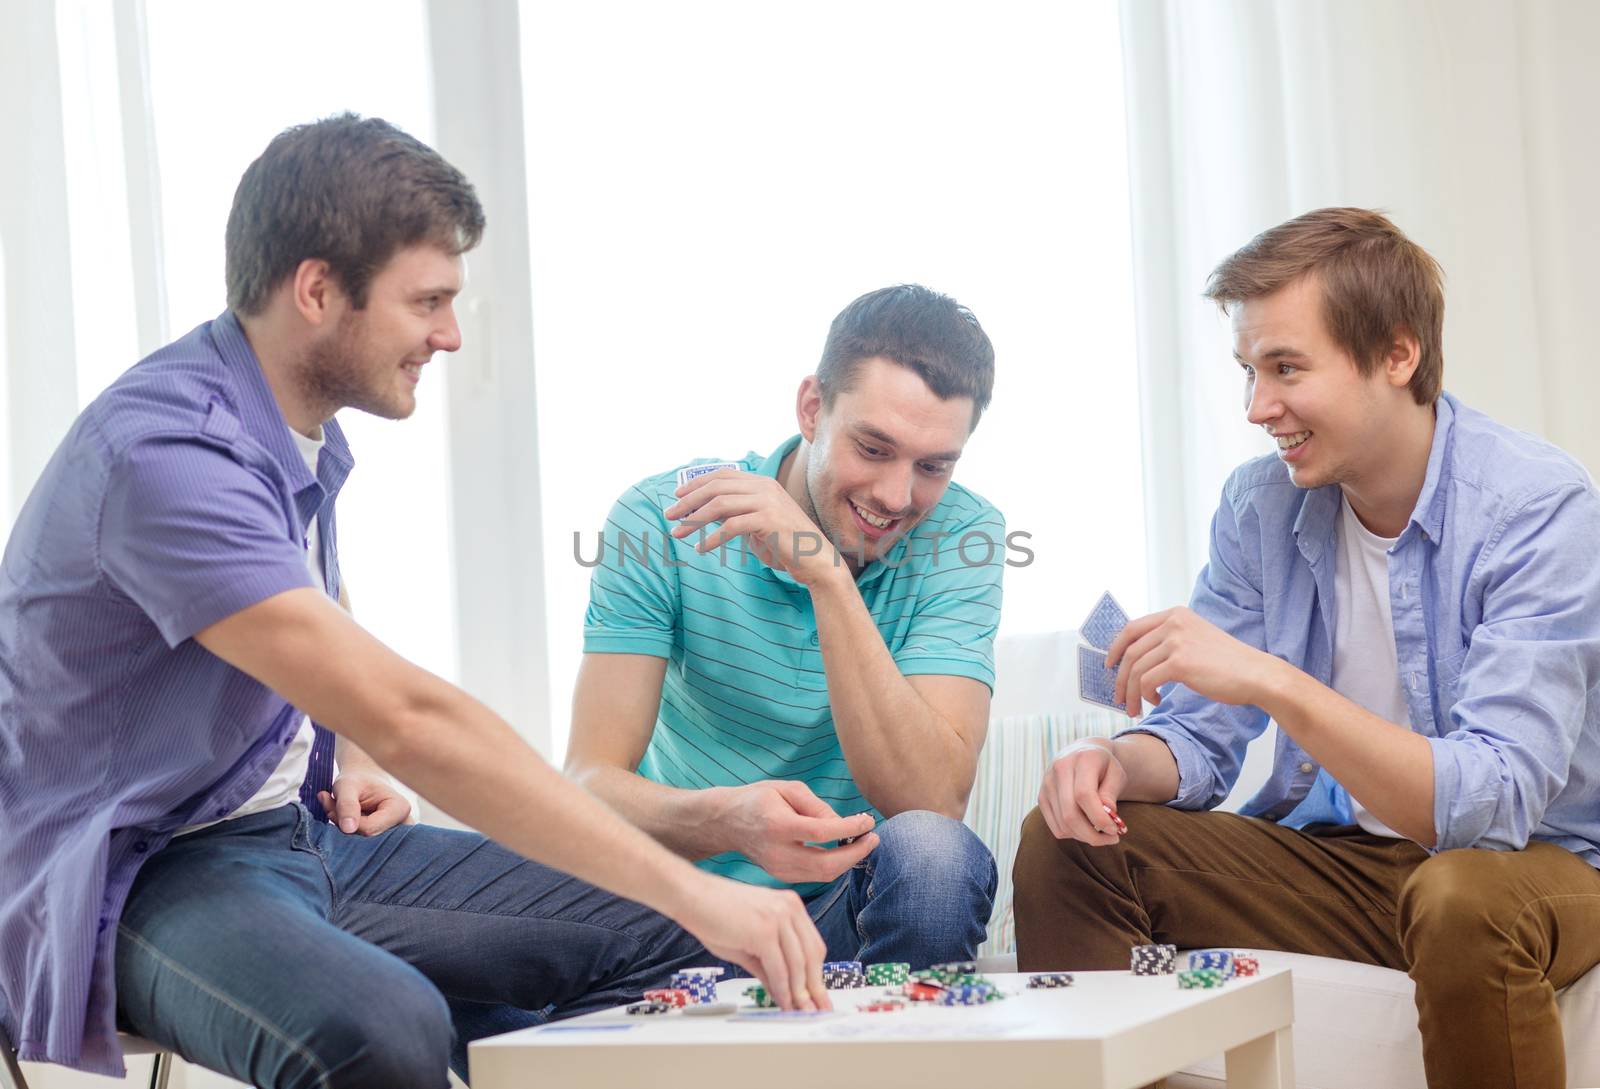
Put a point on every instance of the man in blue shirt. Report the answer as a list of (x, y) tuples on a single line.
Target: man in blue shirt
[(168, 632), (796, 649), (1409, 590)]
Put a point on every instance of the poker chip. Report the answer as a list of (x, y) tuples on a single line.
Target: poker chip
[(698, 983), (1154, 960), (888, 975), (1246, 965), (948, 971), (758, 994), (841, 966), (649, 1007), (713, 1009), (924, 990), (670, 995), (842, 978), (969, 994), (1050, 979), (1220, 959), (1200, 978), (883, 1005)]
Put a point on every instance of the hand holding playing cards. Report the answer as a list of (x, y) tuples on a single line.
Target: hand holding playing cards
[(765, 931), (774, 822), (758, 509), (1078, 799), (1179, 646)]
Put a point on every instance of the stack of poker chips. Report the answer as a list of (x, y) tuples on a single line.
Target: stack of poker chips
[(1201, 977), (1050, 979), (888, 975), (649, 1007), (700, 984), (670, 996), (1220, 959), (758, 994), (1246, 965), (969, 994), (883, 1005), (951, 971), (923, 990), (843, 973), (1155, 960)]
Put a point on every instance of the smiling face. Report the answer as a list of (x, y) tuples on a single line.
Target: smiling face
[(372, 359), (880, 456), (1333, 425)]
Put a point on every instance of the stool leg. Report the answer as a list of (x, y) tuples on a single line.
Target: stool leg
[(161, 1069), (10, 1073)]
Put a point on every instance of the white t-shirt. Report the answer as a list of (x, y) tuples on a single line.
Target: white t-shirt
[(1365, 664), (283, 785)]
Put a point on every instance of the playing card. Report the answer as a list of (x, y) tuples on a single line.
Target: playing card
[(1105, 622), (694, 472), (1096, 683)]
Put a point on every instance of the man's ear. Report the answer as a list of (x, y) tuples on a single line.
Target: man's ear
[(315, 293), (808, 407), (1400, 362)]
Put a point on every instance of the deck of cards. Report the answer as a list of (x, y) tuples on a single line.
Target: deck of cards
[(1096, 683)]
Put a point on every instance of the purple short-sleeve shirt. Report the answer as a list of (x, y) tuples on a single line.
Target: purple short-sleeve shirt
[(176, 499)]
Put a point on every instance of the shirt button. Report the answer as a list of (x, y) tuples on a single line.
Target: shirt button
[(1305, 768), (141, 847)]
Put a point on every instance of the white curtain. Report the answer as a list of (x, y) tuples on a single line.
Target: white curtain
[(1471, 122)]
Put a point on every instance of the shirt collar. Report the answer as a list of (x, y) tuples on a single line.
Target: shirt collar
[(1314, 525), (1428, 515), (263, 420), (869, 574)]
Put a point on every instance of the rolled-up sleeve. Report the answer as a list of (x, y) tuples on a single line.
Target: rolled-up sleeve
[(192, 535), (1525, 680), (1208, 739)]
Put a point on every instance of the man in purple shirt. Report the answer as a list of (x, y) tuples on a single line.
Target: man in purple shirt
[(168, 632)]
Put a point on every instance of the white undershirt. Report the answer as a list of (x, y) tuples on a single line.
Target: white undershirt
[(1365, 664), (283, 785)]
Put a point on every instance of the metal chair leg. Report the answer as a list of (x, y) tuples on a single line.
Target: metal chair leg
[(10, 1073), (161, 1070)]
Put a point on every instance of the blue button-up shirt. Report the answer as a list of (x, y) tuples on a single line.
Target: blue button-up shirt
[(1494, 587), (177, 499)]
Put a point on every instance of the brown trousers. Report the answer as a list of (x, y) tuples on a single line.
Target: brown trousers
[(1487, 936)]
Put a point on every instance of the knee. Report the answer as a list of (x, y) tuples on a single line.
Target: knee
[(1448, 906), (400, 1039), (1042, 859), (926, 847)]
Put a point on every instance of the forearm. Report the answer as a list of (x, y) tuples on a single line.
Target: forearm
[(352, 758), (688, 822), (1149, 765), (902, 752), (1387, 768), (468, 762)]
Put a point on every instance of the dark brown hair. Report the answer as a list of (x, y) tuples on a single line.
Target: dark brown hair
[(347, 190), (918, 328), (1375, 283)]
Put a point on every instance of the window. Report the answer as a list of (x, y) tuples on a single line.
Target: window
[(225, 78), (711, 183)]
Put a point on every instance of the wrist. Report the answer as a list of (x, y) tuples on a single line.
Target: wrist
[(712, 812), (1277, 687)]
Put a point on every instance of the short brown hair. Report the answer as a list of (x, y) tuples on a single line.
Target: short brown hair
[(347, 190), (918, 328), (1374, 281)]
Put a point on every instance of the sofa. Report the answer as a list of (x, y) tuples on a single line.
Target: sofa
[(1355, 1024)]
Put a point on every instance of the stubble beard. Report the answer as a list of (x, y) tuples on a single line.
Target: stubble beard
[(336, 375)]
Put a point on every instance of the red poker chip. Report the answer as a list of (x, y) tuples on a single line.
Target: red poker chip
[(672, 996)]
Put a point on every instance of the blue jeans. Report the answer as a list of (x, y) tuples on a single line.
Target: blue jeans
[(283, 953), (922, 897)]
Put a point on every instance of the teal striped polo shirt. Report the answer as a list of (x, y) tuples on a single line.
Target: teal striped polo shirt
[(745, 697)]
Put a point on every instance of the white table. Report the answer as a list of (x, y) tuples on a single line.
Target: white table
[(1111, 1030)]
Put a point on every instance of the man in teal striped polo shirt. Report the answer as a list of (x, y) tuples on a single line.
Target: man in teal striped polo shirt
[(797, 649)]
